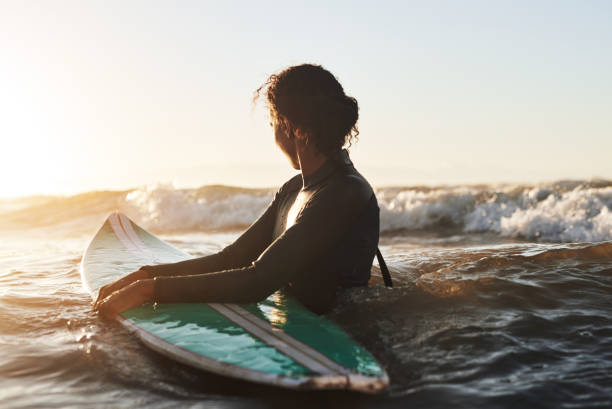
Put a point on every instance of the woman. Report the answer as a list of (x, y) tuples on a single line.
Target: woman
[(319, 234)]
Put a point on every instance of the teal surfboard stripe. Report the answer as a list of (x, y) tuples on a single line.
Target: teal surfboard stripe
[(200, 329), (288, 315), (293, 348)]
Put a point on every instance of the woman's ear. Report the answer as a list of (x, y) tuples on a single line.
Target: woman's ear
[(300, 136)]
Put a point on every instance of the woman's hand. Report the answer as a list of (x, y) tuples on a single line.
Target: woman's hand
[(141, 274), (133, 295)]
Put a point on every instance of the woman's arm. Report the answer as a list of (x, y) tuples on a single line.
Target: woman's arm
[(238, 254), (317, 230)]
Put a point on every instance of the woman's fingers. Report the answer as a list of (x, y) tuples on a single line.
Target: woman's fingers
[(112, 287), (105, 291), (129, 297), (98, 302)]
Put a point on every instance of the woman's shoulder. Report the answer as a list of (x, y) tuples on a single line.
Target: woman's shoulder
[(355, 185), (349, 188)]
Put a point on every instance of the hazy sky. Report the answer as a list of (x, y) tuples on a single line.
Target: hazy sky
[(115, 94)]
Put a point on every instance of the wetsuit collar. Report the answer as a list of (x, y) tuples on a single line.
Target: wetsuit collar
[(334, 162)]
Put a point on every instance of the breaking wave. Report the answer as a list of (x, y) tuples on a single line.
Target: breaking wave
[(563, 211)]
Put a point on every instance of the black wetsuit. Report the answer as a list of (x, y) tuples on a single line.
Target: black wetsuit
[(318, 234)]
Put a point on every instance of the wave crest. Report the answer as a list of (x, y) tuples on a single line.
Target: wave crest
[(561, 211), (165, 208)]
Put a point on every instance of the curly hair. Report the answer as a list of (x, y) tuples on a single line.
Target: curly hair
[(308, 100)]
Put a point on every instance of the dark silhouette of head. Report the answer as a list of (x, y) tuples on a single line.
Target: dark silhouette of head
[(308, 102)]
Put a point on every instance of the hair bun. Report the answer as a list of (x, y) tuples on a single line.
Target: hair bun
[(310, 99)]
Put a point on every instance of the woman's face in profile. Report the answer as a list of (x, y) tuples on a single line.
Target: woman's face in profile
[(285, 143)]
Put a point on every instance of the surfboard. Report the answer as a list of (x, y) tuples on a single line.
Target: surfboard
[(276, 342)]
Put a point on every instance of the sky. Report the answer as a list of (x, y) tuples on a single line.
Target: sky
[(118, 94)]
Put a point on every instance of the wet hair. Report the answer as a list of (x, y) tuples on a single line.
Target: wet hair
[(308, 100)]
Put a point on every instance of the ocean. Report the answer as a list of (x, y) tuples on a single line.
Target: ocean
[(503, 299)]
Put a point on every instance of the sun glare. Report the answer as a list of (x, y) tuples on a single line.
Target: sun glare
[(31, 160)]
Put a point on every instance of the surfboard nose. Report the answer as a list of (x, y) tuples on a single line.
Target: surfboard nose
[(116, 213)]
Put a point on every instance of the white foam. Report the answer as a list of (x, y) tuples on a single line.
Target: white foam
[(165, 208), (577, 215), (418, 209), (562, 211), (559, 212)]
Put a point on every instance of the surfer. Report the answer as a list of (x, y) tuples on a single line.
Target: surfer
[(319, 234)]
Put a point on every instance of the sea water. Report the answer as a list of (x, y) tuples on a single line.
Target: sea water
[(503, 298)]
